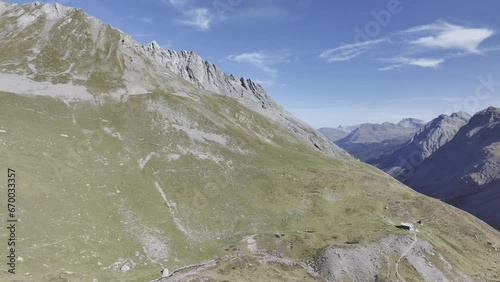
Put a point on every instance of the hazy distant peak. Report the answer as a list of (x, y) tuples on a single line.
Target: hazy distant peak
[(374, 132), (411, 123), (348, 128), (462, 115)]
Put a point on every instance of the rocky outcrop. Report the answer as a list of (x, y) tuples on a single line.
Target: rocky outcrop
[(205, 75), (365, 263), (439, 131)]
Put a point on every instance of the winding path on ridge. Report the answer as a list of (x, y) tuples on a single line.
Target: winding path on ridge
[(415, 240)]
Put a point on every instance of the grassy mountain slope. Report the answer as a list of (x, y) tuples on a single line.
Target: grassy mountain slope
[(94, 202), (117, 187)]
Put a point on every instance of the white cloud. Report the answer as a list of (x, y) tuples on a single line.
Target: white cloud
[(435, 43), (197, 17), (424, 62), (269, 83), (419, 62), (349, 51), (262, 10), (192, 16), (451, 99), (262, 60), (146, 20), (177, 3), (443, 35)]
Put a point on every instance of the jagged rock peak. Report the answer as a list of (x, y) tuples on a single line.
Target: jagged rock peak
[(205, 75), (455, 120), (250, 85), (3, 5), (154, 46), (53, 11), (439, 131), (490, 114), (193, 57), (426, 141)]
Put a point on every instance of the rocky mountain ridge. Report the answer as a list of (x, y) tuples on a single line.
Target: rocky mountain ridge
[(136, 68), (454, 158), (205, 75), (466, 169), (424, 143)]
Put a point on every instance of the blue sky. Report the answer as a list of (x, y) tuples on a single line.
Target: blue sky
[(334, 62)]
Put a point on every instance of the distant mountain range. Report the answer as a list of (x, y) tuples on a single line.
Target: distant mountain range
[(454, 158), (370, 141), (333, 134)]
